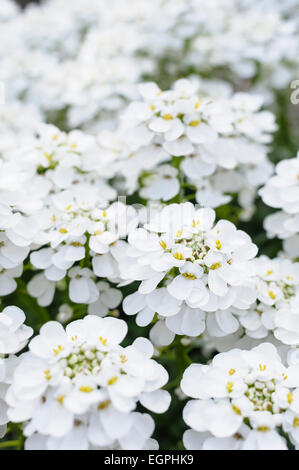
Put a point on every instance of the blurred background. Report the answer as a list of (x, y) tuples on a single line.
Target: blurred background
[(23, 3)]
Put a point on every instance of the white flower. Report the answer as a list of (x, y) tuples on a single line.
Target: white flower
[(13, 337), (65, 313), (208, 134), (243, 395), (13, 333), (142, 426), (181, 256), (275, 311), (83, 377), (109, 299), (42, 289), (162, 185), (282, 192), (7, 279), (11, 255), (7, 367), (82, 288)]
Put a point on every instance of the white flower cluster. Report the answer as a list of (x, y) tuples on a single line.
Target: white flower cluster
[(136, 140), (275, 311), (9, 10), (78, 388), (54, 196), (87, 62), (185, 136), (13, 337), (187, 266), (242, 401), (243, 36), (282, 192)]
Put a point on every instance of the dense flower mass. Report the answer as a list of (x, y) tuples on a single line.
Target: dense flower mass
[(13, 337), (241, 401), (282, 192), (210, 139), (86, 387), (187, 266), (149, 189)]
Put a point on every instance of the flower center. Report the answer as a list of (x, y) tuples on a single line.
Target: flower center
[(196, 243), (261, 395), (82, 361)]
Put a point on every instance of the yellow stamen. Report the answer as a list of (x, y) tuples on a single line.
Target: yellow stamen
[(167, 117), (262, 368), (123, 358), (48, 156), (47, 374), (296, 422), (163, 244), (58, 350), (232, 371), (194, 123), (263, 428), (104, 405), (178, 256), (189, 276), (198, 103), (236, 409), (103, 341), (218, 244), (216, 266), (271, 294), (63, 230), (85, 389), (229, 387), (290, 398), (60, 399), (112, 380)]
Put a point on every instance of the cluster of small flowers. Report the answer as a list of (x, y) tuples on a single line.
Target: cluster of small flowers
[(195, 135), (282, 192), (55, 206), (275, 311), (87, 62), (248, 39), (85, 120), (243, 400), (13, 337), (187, 266), (78, 388)]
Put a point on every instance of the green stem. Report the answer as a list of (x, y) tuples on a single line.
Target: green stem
[(5, 444)]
